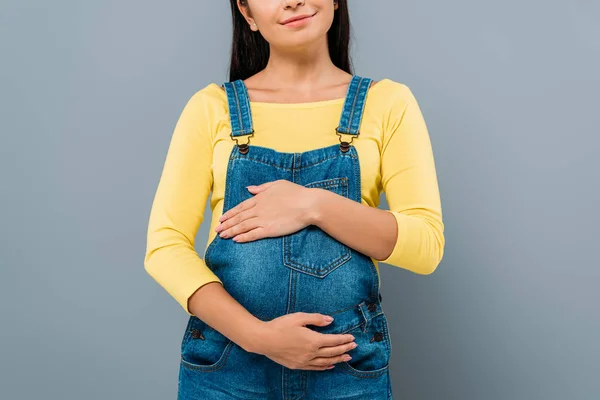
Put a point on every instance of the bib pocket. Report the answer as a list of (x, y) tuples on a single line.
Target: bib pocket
[(311, 250)]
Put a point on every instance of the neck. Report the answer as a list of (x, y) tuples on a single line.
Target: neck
[(303, 69)]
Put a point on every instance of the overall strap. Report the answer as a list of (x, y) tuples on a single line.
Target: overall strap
[(240, 114), (354, 105)]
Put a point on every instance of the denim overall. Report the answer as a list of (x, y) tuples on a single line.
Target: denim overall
[(306, 271)]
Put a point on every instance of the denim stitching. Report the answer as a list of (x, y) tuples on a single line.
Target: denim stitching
[(220, 363), (238, 112), (241, 157), (356, 95), (333, 264), (364, 374)]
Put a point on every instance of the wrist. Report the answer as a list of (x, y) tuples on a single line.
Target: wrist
[(255, 336), (313, 211)]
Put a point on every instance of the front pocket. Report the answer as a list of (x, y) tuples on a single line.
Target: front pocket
[(311, 250), (371, 357), (203, 348)]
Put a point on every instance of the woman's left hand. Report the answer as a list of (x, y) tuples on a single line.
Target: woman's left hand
[(277, 208)]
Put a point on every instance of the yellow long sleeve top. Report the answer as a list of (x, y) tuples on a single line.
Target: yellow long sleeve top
[(395, 157)]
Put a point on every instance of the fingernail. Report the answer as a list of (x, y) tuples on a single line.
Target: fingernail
[(354, 345), (328, 319), (347, 358)]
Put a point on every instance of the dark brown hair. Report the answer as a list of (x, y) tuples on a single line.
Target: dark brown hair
[(250, 51)]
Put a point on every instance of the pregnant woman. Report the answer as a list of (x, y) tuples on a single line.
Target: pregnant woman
[(296, 150)]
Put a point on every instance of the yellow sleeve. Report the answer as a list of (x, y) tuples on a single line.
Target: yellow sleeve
[(179, 203), (409, 181)]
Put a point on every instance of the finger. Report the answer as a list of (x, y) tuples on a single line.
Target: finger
[(316, 368), (231, 212), (317, 319), (268, 184), (244, 205), (236, 219), (331, 339), (333, 351), (254, 234), (255, 189), (242, 227), (326, 361)]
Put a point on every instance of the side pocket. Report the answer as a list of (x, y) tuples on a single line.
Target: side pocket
[(311, 250), (203, 348), (370, 359)]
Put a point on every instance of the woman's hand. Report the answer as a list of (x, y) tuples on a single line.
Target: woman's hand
[(277, 208), (287, 341)]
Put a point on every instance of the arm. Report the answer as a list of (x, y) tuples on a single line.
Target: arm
[(410, 234), (176, 214), (370, 230)]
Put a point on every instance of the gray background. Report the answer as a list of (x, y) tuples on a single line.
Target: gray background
[(91, 91)]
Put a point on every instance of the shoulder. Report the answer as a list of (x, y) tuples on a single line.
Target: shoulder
[(205, 110), (209, 96), (390, 94), (395, 105)]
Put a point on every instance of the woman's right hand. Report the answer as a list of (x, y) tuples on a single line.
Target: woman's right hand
[(287, 341)]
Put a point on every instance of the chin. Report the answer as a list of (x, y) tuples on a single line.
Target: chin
[(300, 39)]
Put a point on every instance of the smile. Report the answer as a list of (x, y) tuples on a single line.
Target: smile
[(298, 22)]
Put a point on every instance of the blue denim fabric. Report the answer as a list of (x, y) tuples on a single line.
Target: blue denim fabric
[(307, 271)]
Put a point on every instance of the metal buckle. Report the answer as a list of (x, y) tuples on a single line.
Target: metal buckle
[(345, 146), (243, 148)]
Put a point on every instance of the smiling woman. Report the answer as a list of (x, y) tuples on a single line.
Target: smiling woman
[(294, 156)]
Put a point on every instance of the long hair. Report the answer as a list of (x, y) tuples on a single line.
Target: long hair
[(250, 51)]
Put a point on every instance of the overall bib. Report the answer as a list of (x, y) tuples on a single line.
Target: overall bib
[(306, 271)]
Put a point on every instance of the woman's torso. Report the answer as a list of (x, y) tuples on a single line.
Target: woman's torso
[(300, 127)]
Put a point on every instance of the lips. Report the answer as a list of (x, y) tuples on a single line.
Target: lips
[(296, 18)]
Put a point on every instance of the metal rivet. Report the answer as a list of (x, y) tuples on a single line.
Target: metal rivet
[(197, 334), (378, 337), (243, 148), (372, 307)]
